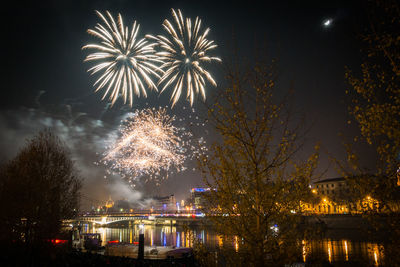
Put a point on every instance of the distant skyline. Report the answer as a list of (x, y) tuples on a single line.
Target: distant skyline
[(46, 83)]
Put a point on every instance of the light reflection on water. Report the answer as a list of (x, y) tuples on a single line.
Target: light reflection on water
[(155, 235), (326, 249), (343, 250)]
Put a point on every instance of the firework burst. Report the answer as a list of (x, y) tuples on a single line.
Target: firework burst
[(149, 145), (184, 51), (124, 61)]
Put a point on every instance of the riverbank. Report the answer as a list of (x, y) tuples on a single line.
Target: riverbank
[(339, 221), (86, 259)]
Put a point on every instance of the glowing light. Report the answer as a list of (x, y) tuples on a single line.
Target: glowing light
[(150, 145), (346, 250), (130, 236), (124, 61), (329, 252), (199, 189), (376, 254), (327, 22), (236, 243), (183, 51), (275, 228), (220, 241), (59, 241)]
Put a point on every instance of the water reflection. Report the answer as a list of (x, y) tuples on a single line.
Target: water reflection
[(236, 244), (156, 235), (343, 250), (304, 250), (329, 252)]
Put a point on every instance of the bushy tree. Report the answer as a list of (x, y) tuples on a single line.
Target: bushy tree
[(375, 94), (38, 188), (375, 108), (256, 177)]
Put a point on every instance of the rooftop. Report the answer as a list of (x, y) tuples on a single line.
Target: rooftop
[(339, 179)]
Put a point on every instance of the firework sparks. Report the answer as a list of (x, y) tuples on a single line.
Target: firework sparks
[(149, 145), (124, 61), (183, 52)]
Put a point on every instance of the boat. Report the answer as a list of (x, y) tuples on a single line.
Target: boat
[(86, 241)]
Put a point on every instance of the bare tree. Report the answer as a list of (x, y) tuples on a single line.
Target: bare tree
[(256, 178), (38, 188)]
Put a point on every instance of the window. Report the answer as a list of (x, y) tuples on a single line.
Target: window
[(333, 191), (327, 191), (322, 192), (332, 185), (317, 186)]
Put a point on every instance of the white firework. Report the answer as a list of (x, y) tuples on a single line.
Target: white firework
[(126, 64), (150, 146), (184, 51)]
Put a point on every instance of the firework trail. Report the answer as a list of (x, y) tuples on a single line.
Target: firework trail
[(125, 63), (150, 145), (184, 51)]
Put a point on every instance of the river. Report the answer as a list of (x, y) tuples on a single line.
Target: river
[(335, 247)]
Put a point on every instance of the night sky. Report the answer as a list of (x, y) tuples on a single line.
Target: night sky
[(46, 84)]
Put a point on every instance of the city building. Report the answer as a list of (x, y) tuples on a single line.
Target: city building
[(331, 187), (331, 195), (197, 197), (109, 203), (334, 197), (163, 203)]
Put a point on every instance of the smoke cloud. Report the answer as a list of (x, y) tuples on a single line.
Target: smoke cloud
[(85, 136)]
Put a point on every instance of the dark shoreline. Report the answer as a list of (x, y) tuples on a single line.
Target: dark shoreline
[(86, 259)]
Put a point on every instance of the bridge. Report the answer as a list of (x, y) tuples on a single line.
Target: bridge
[(156, 219)]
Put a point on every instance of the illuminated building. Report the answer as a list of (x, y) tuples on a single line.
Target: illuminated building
[(335, 198), (333, 195), (109, 203), (197, 196), (333, 186), (163, 203)]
